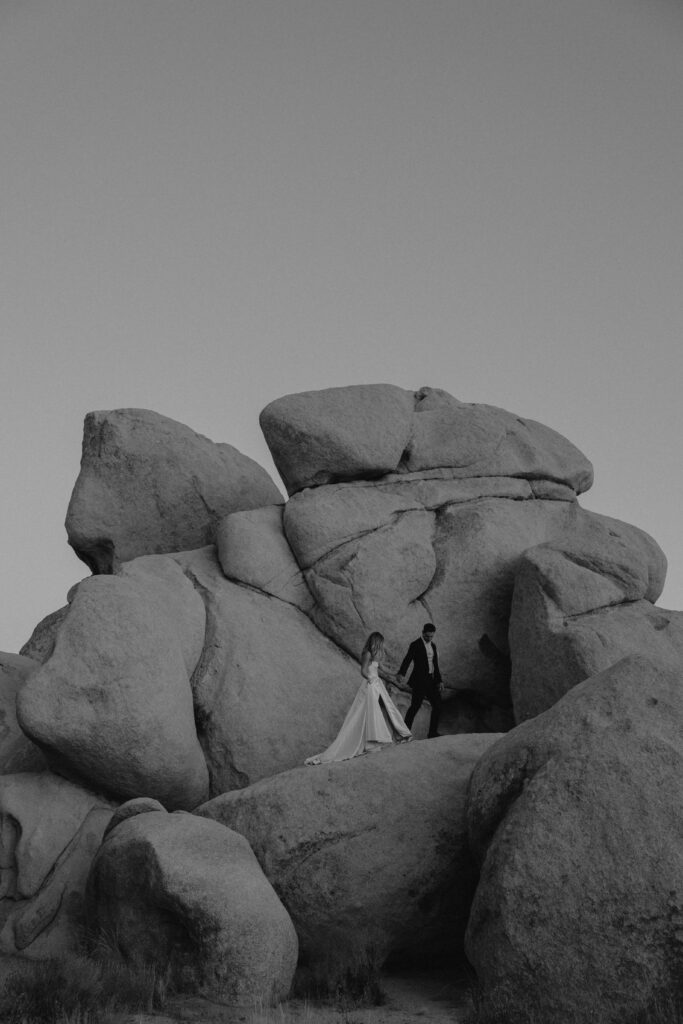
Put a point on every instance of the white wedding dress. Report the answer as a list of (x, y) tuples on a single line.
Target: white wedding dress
[(373, 721)]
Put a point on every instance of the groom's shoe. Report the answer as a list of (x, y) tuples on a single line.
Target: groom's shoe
[(434, 735)]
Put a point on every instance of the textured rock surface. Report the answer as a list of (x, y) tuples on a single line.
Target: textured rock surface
[(394, 554), (369, 856), (187, 894), (17, 753), (269, 689), (322, 437), (252, 549), (139, 805), (41, 642), (49, 833), (483, 440), (575, 817), (581, 604), (149, 485), (318, 437), (113, 704)]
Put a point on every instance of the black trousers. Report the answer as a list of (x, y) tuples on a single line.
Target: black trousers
[(425, 690)]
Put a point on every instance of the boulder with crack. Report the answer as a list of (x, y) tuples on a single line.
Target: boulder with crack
[(269, 689), (112, 706), (394, 554), (369, 430), (252, 549)]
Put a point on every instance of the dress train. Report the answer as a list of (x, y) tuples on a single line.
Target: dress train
[(372, 722)]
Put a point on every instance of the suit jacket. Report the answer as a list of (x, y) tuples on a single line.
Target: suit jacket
[(417, 655)]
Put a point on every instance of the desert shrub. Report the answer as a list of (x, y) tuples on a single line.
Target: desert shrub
[(77, 990)]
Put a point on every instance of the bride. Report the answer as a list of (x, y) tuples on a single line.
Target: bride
[(373, 720)]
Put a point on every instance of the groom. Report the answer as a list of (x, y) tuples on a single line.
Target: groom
[(425, 679)]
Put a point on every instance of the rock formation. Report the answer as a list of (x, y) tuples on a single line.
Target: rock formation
[(216, 646), (437, 535), (367, 431)]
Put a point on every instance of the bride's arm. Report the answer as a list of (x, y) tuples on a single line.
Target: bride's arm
[(365, 665)]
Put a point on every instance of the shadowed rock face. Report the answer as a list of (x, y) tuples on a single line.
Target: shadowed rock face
[(149, 485), (17, 752), (575, 819), (188, 896), (49, 833)]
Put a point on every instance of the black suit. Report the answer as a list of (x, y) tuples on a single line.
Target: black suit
[(422, 683)]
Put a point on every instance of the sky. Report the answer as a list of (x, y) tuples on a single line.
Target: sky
[(207, 204)]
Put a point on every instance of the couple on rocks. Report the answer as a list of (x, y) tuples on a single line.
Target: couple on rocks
[(373, 720)]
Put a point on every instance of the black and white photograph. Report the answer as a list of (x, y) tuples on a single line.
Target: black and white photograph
[(341, 671)]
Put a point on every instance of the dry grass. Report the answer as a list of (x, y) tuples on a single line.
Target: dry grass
[(352, 984), (79, 990)]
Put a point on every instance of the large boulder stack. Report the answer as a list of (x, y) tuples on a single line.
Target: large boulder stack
[(369, 856), (438, 533), (188, 896), (575, 818), (216, 647), (149, 484)]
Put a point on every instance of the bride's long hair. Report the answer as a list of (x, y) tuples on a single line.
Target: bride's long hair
[(374, 646)]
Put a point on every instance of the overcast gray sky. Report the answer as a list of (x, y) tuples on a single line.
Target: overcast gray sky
[(206, 204)]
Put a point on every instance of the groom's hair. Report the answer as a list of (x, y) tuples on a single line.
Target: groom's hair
[(429, 627)]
